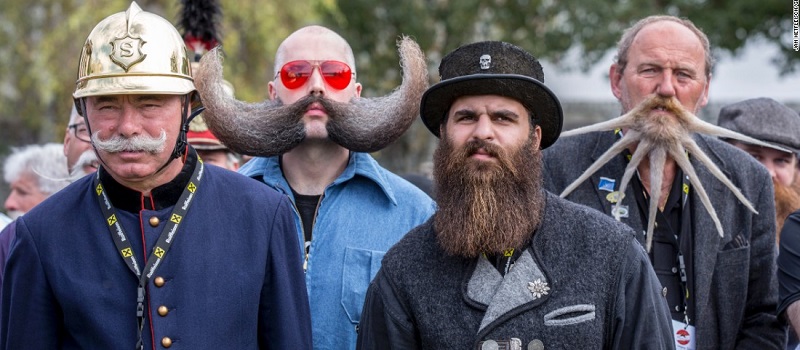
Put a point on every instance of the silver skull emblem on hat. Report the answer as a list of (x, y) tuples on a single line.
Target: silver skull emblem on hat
[(486, 61)]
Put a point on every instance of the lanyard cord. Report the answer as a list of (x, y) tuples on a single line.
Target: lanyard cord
[(640, 196), (162, 245)]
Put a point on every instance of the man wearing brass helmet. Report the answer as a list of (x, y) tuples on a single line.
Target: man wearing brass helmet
[(137, 259)]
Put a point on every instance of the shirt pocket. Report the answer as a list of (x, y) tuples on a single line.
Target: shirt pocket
[(360, 267)]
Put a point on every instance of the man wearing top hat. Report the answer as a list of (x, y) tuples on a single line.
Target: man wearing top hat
[(767, 120), (503, 264)]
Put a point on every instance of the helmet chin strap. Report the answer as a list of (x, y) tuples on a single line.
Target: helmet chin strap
[(180, 144)]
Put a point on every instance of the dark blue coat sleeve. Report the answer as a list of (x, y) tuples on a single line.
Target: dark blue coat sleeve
[(284, 312), (34, 323), (7, 236)]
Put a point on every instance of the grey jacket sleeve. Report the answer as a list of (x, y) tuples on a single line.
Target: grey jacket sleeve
[(641, 318), (385, 322), (761, 328)]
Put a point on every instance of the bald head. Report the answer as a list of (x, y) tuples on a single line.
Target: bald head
[(314, 43)]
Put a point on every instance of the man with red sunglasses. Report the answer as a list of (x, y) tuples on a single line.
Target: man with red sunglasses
[(312, 140)]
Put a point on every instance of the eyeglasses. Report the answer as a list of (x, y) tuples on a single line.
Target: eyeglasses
[(295, 74), (80, 131)]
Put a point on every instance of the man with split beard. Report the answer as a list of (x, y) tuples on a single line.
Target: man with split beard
[(311, 141), (138, 256), (722, 291), (503, 264)]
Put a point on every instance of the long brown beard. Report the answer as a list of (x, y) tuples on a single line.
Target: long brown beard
[(486, 207), (787, 200), (270, 128)]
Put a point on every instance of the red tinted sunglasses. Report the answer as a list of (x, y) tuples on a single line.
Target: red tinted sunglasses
[(295, 74)]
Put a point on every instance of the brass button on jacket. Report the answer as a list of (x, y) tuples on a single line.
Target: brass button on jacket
[(163, 310), (166, 342), (154, 221), (158, 281)]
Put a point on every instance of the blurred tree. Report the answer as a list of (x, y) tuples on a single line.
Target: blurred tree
[(547, 28)]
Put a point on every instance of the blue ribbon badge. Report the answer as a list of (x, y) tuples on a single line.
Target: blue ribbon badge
[(606, 184)]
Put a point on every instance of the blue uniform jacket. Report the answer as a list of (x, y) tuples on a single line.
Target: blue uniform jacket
[(230, 280)]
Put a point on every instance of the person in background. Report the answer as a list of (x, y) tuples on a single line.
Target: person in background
[(769, 121), (81, 159), (506, 264), (210, 149), (312, 141), (34, 172), (722, 291), (155, 249)]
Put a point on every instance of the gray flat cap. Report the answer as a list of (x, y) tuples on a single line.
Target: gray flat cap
[(763, 119)]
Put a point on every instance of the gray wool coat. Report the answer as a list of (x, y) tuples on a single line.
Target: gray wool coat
[(596, 290), (736, 290)]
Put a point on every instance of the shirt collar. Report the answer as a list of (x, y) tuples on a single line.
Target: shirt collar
[(359, 164)]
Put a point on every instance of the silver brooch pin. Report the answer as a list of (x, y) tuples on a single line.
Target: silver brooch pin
[(538, 288)]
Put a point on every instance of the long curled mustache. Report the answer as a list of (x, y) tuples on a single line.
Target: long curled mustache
[(271, 128), (139, 143)]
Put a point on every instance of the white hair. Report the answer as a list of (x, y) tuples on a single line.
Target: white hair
[(46, 163)]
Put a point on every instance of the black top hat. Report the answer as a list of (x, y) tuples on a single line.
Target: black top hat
[(493, 68)]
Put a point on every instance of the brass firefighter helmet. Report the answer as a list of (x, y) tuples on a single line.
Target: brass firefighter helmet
[(134, 52)]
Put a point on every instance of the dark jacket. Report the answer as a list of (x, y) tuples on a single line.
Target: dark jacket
[(596, 291), (231, 280), (736, 291)]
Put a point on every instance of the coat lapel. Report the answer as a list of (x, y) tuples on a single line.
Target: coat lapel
[(502, 295), (614, 167)]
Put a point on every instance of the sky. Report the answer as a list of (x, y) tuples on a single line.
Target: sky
[(747, 75)]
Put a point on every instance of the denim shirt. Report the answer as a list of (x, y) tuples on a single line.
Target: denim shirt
[(360, 216)]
